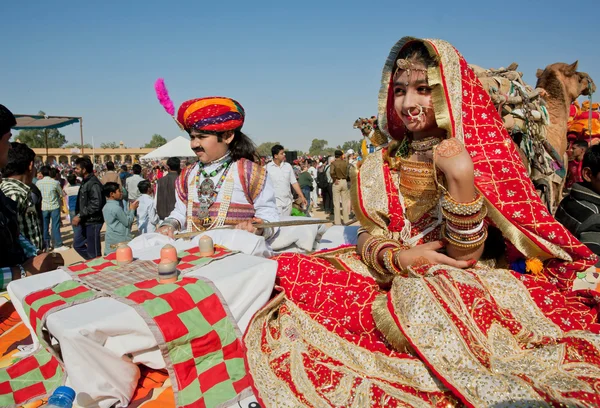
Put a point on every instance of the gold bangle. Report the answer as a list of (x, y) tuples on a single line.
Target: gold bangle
[(451, 205), (464, 245), (383, 244), (365, 253), (388, 260), (465, 220)]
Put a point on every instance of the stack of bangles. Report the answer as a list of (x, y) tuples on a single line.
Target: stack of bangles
[(465, 222), (370, 252)]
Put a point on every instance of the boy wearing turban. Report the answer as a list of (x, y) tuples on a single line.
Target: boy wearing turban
[(226, 186)]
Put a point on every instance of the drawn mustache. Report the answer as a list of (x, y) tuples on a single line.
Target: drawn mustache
[(198, 149)]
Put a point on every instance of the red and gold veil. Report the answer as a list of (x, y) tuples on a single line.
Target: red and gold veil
[(466, 112)]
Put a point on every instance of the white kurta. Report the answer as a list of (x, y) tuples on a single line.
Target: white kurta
[(264, 205), (282, 177)]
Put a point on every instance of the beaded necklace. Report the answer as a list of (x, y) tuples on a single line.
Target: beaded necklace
[(207, 191)]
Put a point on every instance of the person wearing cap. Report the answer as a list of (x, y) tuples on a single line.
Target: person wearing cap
[(227, 186), (341, 194), (351, 157)]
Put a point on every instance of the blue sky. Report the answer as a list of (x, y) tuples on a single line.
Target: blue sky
[(302, 70)]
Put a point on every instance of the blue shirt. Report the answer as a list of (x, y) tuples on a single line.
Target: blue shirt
[(118, 224)]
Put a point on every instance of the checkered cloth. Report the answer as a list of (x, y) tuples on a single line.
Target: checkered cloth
[(198, 337), (30, 378), (190, 260), (111, 279)]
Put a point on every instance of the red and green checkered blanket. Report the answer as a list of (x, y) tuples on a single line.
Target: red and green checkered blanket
[(199, 340)]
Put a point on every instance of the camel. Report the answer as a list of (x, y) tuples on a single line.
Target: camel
[(561, 85)]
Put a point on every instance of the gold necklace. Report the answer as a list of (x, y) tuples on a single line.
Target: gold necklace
[(426, 144)]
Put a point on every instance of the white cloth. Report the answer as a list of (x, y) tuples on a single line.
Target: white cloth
[(147, 216), (338, 235), (131, 184), (282, 177), (298, 238), (264, 205), (102, 341)]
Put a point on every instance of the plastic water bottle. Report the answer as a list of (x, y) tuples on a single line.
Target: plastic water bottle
[(62, 397)]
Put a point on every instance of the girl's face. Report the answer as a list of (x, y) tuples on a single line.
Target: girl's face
[(412, 99)]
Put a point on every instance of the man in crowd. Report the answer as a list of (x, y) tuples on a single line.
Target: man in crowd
[(579, 212), (575, 163), (90, 201), (282, 177), (18, 258), (165, 189), (52, 196), (132, 183), (17, 178), (111, 175), (351, 157), (339, 176)]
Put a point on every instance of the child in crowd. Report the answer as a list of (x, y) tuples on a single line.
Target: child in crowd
[(148, 217), (118, 221)]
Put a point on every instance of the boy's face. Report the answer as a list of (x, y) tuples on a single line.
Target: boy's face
[(117, 195)]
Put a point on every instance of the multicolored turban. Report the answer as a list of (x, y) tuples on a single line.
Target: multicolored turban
[(214, 113)]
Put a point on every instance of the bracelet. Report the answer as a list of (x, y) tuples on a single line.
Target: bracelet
[(465, 220), (453, 206), (381, 245), (475, 230), (367, 249), (388, 261), (462, 244)]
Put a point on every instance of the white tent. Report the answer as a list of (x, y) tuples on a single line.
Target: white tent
[(178, 147)]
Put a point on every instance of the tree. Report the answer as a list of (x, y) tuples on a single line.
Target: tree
[(264, 149), (355, 145), (37, 137), (156, 141), (319, 147), (109, 145), (78, 146)]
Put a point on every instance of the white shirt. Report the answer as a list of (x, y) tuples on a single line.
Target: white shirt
[(264, 205), (148, 218), (132, 182), (282, 177), (313, 173)]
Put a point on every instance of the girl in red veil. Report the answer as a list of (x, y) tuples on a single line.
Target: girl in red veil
[(459, 291)]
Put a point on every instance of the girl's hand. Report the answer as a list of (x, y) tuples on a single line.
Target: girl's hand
[(428, 253)]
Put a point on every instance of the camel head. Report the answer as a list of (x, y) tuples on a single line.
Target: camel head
[(561, 80)]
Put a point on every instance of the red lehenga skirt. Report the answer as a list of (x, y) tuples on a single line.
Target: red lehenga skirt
[(442, 337)]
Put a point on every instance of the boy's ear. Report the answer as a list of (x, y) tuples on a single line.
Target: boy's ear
[(586, 174)]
